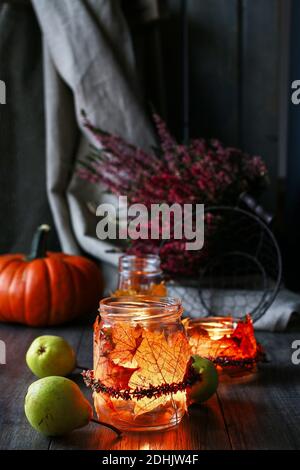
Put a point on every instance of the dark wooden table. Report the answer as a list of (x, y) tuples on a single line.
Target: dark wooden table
[(261, 413)]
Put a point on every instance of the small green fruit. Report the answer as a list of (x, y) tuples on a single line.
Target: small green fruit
[(50, 355), (55, 406), (204, 389)]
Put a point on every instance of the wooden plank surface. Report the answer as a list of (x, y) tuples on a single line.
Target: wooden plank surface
[(202, 429), (15, 377), (262, 413)]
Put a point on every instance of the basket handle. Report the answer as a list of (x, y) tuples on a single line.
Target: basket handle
[(253, 205)]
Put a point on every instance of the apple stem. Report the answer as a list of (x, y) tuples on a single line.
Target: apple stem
[(110, 426)]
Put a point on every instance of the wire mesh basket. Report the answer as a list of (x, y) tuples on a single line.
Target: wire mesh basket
[(242, 273)]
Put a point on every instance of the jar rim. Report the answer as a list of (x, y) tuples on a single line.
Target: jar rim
[(213, 323), (146, 264), (140, 308)]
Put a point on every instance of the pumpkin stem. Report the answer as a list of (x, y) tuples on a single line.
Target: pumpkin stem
[(39, 243)]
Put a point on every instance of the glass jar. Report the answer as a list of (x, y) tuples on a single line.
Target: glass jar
[(141, 354), (140, 275), (230, 343)]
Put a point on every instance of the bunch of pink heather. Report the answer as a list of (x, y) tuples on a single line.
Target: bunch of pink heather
[(203, 172)]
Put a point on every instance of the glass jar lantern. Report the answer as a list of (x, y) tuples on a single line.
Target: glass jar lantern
[(140, 275), (140, 357), (230, 343)]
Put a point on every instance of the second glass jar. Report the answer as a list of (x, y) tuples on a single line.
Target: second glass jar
[(140, 275)]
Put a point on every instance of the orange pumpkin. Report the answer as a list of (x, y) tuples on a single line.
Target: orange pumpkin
[(47, 288)]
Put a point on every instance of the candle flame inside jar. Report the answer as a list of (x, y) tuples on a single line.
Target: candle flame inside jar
[(219, 327)]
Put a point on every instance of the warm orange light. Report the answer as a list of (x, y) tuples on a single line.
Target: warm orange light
[(140, 363), (229, 343), (158, 290)]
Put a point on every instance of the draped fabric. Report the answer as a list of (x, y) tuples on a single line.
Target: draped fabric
[(89, 65), (23, 202)]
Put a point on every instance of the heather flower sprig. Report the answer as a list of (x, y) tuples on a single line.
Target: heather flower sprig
[(203, 171)]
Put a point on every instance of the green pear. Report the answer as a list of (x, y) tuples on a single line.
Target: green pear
[(50, 355), (204, 389), (55, 406)]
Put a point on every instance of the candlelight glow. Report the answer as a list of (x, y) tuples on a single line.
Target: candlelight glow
[(140, 364), (227, 342), (158, 290)]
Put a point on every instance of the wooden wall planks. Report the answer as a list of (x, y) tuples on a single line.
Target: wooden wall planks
[(260, 62), (214, 52), (234, 74)]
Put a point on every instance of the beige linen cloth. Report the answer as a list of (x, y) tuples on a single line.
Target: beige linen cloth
[(88, 64)]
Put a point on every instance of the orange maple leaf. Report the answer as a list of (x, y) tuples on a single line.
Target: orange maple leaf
[(102, 342), (110, 373), (159, 290), (161, 360), (126, 341), (242, 343)]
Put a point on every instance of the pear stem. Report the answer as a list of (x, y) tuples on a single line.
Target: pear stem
[(81, 367), (107, 425)]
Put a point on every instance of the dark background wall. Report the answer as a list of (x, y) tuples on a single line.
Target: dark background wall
[(235, 62), (23, 199), (291, 246)]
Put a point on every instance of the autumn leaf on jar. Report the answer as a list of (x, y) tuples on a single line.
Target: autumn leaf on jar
[(111, 374), (203, 344), (161, 360), (126, 339), (102, 342), (244, 338)]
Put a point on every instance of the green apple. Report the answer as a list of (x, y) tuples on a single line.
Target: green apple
[(50, 355), (55, 406), (204, 389)]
